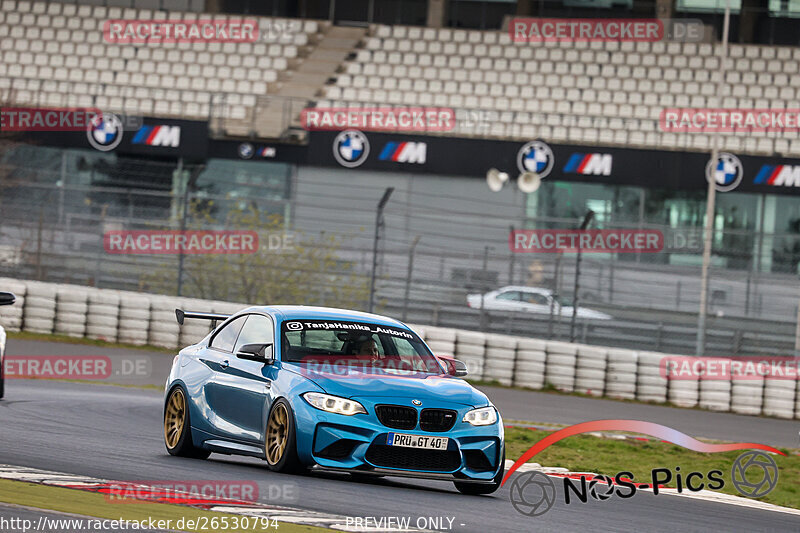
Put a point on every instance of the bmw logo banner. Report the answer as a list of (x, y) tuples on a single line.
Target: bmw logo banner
[(117, 133), (451, 156), (157, 137)]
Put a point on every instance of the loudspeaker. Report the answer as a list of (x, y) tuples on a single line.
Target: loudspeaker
[(528, 181), (496, 179)]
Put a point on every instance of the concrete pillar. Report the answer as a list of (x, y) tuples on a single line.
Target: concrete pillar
[(768, 230), (437, 11), (748, 19), (525, 8), (664, 9)]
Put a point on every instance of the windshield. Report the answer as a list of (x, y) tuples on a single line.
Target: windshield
[(360, 344)]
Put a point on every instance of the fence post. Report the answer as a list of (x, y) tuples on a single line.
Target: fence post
[(408, 275), (511, 261), (611, 280), (483, 286), (659, 336), (747, 295), (103, 212)]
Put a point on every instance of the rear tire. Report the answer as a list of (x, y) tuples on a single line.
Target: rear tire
[(478, 489), (178, 428), (2, 381), (280, 439)]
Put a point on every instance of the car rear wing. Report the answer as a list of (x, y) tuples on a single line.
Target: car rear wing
[(182, 315)]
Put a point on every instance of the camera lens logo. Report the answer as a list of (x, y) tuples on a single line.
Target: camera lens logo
[(104, 132), (533, 493), (726, 171), (294, 326), (350, 148), (754, 474), (537, 157)]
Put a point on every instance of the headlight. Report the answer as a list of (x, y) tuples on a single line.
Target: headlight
[(481, 417), (334, 404)]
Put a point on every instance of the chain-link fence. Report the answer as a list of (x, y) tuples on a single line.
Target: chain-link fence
[(437, 246)]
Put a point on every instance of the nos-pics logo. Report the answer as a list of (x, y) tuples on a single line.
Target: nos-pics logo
[(754, 473)]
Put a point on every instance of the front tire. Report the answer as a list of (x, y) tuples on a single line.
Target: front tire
[(2, 380), (280, 439), (178, 429), (478, 489)]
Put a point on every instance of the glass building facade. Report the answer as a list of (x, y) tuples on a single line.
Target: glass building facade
[(753, 232)]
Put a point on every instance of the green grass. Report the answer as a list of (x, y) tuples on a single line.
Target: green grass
[(107, 383), (95, 505), (587, 453), (46, 337)]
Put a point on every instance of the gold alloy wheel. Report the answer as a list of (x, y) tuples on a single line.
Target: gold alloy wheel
[(277, 430), (174, 415)]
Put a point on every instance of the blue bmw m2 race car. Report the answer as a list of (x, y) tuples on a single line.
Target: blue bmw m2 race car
[(331, 389)]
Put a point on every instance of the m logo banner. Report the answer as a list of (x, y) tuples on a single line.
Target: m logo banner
[(405, 152), (778, 175), (589, 164), (169, 136)]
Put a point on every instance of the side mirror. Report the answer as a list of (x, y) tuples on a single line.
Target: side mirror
[(256, 352), (454, 366), (7, 298), (460, 368)]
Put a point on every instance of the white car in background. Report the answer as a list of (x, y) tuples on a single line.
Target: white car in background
[(6, 298), (530, 300)]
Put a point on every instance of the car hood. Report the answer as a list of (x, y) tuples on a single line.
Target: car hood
[(356, 383)]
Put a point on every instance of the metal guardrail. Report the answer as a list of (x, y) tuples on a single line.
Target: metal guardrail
[(725, 337)]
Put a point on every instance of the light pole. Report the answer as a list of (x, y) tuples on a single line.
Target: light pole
[(378, 223), (190, 183), (711, 197), (587, 219)]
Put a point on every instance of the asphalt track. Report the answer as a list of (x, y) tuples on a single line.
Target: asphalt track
[(147, 367), (115, 433)]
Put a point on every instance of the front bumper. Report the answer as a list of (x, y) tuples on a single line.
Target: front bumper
[(377, 472), (358, 444)]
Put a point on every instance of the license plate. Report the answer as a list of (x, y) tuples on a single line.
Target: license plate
[(417, 441)]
